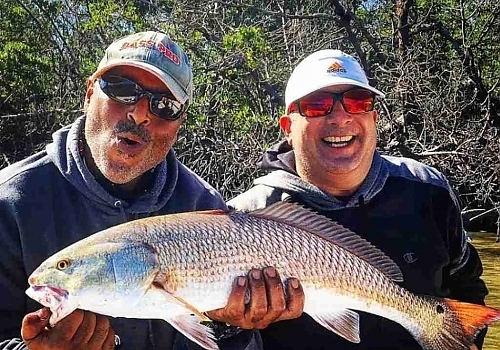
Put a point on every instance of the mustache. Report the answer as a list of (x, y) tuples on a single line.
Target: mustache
[(133, 128)]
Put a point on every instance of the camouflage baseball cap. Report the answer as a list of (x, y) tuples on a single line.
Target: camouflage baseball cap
[(156, 53)]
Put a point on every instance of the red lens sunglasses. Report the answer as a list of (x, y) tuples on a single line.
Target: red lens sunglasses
[(319, 104)]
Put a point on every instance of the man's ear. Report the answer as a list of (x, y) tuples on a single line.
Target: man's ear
[(286, 126), (89, 92), (375, 116)]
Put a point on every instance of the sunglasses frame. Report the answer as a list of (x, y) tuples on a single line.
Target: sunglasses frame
[(140, 92), (337, 96)]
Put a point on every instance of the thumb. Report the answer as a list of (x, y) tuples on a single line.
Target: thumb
[(34, 323)]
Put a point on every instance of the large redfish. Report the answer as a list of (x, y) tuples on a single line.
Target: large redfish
[(175, 267)]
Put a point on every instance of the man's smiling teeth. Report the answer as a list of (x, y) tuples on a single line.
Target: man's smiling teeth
[(338, 139)]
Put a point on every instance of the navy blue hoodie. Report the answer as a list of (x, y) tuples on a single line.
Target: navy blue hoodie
[(50, 200), (404, 208)]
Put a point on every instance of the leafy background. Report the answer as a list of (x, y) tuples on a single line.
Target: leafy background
[(437, 61)]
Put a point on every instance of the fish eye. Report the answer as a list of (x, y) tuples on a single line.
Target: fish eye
[(62, 264)]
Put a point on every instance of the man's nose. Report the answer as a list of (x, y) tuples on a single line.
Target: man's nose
[(140, 112), (338, 115)]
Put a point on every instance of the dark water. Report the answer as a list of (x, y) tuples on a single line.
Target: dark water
[(490, 256)]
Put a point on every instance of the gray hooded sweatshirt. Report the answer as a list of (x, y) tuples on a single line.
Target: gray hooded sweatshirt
[(50, 200)]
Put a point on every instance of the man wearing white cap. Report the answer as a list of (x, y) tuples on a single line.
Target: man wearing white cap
[(115, 164), (329, 162)]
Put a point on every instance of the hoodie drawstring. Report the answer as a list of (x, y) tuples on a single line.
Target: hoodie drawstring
[(151, 334), (119, 205), (361, 201)]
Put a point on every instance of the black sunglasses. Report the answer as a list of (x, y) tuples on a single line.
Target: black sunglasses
[(126, 91)]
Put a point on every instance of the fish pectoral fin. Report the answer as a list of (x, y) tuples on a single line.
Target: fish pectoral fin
[(190, 326), (191, 308), (171, 297), (342, 322)]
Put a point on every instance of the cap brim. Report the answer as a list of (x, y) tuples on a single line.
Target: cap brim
[(356, 83), (169, 82)]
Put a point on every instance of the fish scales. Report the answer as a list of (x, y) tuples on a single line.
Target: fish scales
[(177, 266), (336, 272)]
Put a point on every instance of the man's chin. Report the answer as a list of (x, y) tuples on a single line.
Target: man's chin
[(353, 166), (121, 174), (341, 166), (122, 180)]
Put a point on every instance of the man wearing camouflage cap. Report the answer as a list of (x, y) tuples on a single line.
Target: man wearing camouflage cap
[(114, 164)]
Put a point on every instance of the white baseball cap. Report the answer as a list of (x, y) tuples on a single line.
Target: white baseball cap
[(323, 69)]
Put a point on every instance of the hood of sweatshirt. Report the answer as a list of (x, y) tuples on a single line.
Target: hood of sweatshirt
[(65, 153), (279, 161)]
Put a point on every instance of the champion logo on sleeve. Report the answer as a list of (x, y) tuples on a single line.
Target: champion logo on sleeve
[(410, 257)]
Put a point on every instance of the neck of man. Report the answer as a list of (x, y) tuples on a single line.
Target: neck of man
[(340, 185), (127, 191)]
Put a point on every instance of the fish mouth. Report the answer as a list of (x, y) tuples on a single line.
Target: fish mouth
[(57, 299)]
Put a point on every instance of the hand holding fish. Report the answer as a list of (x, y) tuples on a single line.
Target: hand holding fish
[(267, 300), (79, 330)]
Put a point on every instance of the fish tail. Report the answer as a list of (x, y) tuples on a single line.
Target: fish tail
[(473, 317), (461, 322)]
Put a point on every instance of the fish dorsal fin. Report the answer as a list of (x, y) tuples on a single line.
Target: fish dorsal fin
[(342, 322), (213, 212), (307, 220)]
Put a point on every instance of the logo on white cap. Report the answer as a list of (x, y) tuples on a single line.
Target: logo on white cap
[(336, 67)]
